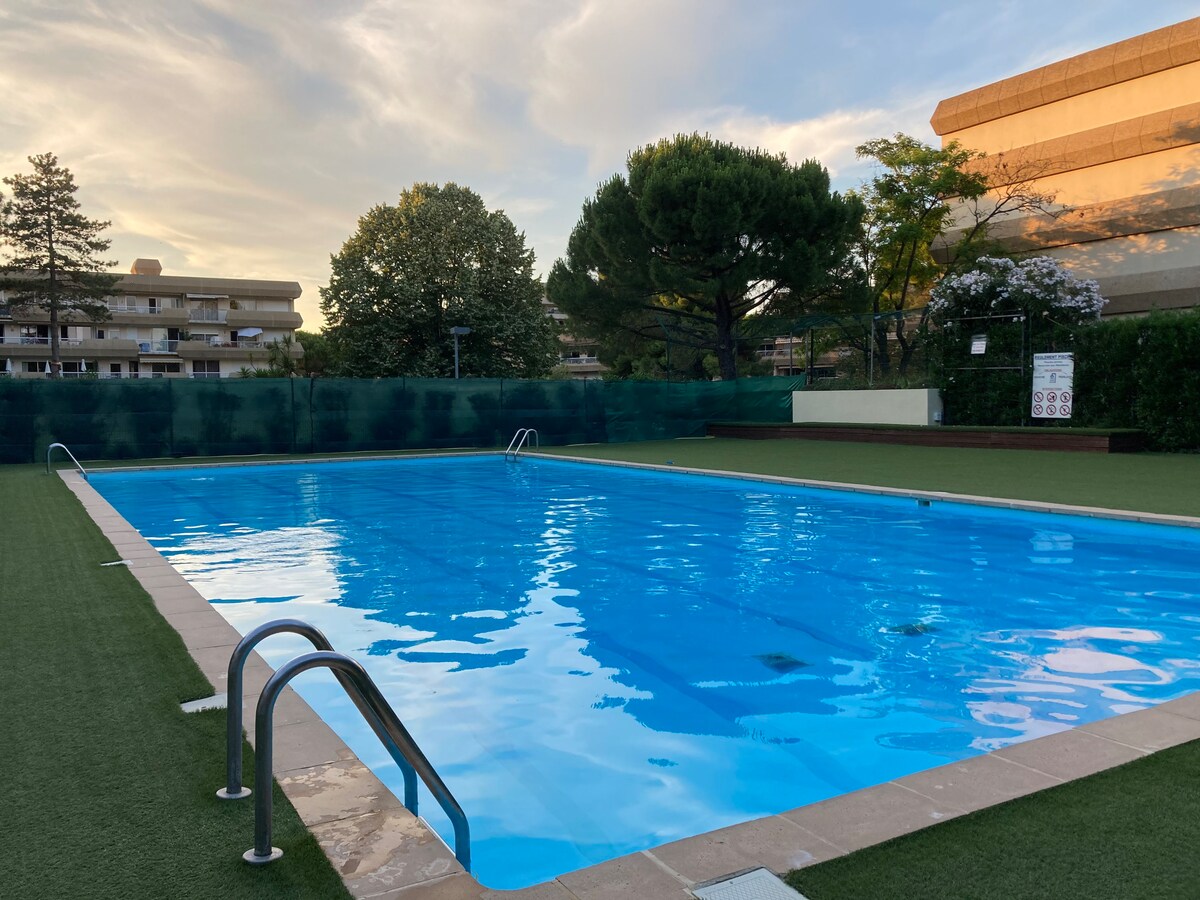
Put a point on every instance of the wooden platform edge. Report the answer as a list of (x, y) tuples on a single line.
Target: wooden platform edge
[(1117, 442)]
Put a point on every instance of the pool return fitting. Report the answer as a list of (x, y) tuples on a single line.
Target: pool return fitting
[(369, 701)]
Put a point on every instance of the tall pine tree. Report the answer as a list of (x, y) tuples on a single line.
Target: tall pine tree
[(698, 236), (52, 250)]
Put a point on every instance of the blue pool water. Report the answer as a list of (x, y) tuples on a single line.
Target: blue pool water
[(599, 660)]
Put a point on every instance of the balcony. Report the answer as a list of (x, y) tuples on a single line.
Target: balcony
[(218, 349), (158, 347), (245, 318), (208, 315), (138, 314), (71, 348)]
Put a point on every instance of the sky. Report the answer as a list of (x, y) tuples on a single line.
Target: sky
[(244, 138)]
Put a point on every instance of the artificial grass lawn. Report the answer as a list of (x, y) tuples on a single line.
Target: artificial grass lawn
[(1128, 833), (1149, 482), (108, 788)]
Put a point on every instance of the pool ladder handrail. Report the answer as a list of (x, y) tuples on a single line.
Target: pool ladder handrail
[(234, 789), (521, 439), (64, 449), (366, 697)]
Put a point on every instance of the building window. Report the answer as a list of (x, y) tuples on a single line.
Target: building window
[(206, 368)]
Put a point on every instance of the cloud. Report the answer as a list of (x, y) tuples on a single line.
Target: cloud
[(830, 138), (245, 139)]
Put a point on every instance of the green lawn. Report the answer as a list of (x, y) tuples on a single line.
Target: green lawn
[(108, 787), (1151, 482), (1129, 833)]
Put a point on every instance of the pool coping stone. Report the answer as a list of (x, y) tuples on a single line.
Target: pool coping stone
[(383, 851)]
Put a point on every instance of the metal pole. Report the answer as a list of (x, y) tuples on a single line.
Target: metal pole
[(871, 355), (456, 357), (811, 357)]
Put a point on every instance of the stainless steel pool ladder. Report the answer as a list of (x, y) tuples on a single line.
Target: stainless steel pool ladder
[(369, 701), (521, 439), (64, 449)]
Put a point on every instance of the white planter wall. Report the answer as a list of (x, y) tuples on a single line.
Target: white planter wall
[(906, 407)]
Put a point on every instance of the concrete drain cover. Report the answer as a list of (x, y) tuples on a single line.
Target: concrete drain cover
[(758, 884)]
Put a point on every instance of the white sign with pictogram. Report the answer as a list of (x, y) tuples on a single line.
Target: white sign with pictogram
[(1053, 385)]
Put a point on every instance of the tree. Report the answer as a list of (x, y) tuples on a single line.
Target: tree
[(52, 250), (318, 354), (696, 237), (928, 214), (434, 261)]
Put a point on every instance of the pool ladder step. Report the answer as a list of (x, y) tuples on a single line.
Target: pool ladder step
[(370, 702)]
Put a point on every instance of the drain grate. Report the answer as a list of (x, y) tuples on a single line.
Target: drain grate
[(759, 884)]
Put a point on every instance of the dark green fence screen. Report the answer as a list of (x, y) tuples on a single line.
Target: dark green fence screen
[(170, 417)]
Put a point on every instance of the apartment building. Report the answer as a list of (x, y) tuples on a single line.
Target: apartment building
[(161, 326), (578, 355), (1114, 134)]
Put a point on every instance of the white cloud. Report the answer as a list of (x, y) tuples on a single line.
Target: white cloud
[(245, 139)]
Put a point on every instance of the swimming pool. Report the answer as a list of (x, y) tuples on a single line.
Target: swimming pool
[(600, 660)]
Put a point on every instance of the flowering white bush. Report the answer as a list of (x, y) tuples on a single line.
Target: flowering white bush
[(1038, 284)]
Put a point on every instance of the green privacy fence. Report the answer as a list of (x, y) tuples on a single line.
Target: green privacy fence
[(125, 419)]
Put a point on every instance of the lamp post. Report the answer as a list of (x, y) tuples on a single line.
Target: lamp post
[(458, 331)]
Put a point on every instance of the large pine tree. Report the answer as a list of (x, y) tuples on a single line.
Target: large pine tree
[(698, 236), (52, 250)]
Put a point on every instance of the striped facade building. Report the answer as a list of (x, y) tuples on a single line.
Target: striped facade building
[(1114, 135)]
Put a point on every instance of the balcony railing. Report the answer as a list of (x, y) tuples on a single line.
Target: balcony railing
[(158, 346), (240, 344), (43, 341), (207, 315), (116, 307), (580, 360)]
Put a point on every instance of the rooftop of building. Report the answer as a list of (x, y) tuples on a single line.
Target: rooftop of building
[(1145, 54)]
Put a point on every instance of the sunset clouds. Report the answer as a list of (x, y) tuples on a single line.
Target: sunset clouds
[(244, 139)]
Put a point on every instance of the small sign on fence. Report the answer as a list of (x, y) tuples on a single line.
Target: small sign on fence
[(1053, 385)]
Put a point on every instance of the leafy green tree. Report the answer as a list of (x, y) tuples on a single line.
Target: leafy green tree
[(51, 250), (436, 260), (928, 214), (697, 236), (318, 358)]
